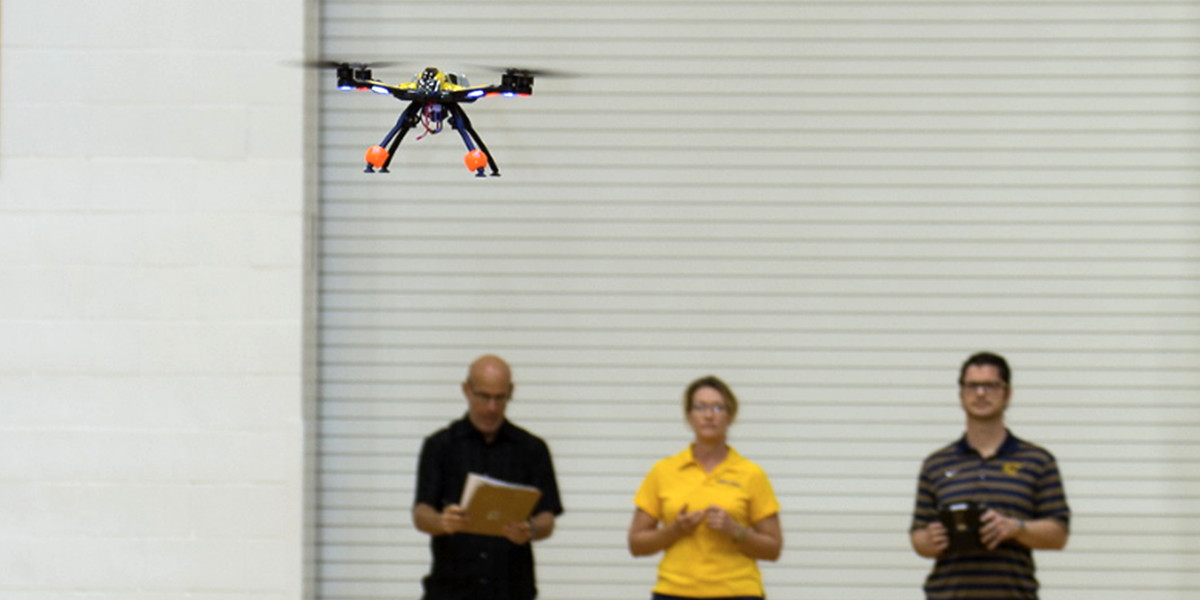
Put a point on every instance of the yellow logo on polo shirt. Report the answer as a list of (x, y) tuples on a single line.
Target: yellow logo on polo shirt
[(1012, 468)]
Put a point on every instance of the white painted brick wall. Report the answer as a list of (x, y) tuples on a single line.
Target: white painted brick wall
[(152, 315)]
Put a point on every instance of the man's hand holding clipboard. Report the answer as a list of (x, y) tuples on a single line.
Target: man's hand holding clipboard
[(491, 506)]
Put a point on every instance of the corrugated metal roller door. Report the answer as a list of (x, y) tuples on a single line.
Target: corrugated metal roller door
[(828, 204)]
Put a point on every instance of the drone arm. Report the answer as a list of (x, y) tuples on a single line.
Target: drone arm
[(468, 95), (472, 94), (400, 92)]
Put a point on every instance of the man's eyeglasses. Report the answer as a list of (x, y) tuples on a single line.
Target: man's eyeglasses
[(987, 387), (715, 409), (499, 398)]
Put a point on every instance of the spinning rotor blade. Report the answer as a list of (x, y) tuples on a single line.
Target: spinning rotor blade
[(527, 72), (334, 64)]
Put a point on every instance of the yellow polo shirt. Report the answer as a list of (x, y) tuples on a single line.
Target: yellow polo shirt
[(707, 563)]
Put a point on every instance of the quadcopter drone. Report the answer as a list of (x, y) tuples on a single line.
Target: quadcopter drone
[(434, 98)]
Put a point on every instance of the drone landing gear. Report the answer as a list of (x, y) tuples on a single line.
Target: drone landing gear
[(377, 157), (475, 159)]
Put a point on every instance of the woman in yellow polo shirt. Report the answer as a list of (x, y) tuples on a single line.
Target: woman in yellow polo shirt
[(712, 511)]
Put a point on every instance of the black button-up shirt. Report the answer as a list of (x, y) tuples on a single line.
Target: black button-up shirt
[(479, 567)]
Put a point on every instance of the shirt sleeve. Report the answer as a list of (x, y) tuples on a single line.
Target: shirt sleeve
[(763, 502), (546, 482), (1050, 497), (647, 496), (924, 511), (430, 476)]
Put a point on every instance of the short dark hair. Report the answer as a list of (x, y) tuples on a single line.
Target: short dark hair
[(982, 359), (710, 381)]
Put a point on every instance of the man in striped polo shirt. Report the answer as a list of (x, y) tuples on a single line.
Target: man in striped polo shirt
[(1015, 483)]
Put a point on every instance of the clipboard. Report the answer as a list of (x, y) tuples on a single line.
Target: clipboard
[(962, 526), (491, 503)]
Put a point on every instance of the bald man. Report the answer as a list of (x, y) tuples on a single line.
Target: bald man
[(480, 567)]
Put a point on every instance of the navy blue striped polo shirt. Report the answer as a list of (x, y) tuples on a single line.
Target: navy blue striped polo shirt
[(1022, 481)]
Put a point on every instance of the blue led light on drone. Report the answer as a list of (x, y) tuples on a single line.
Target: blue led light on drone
[(380, 90), (345, 88), (475, 94)]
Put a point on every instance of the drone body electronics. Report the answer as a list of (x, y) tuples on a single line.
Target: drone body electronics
[(434, 98)]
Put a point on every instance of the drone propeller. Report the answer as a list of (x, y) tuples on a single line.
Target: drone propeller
[(349, 74), (539, 73), (337, 64)]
